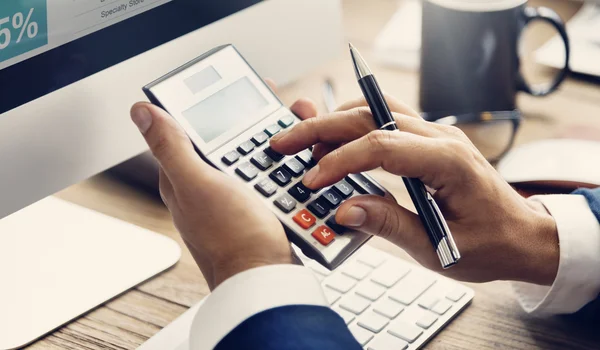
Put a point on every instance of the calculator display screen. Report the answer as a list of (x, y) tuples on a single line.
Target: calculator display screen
[(221, 111)]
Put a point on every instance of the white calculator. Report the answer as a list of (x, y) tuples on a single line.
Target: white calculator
[(229, 114)]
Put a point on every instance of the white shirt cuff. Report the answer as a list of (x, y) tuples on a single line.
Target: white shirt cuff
[(578, 279), (249, 293)]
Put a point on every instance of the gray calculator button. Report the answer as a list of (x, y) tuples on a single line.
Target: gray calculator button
[(262, 161), (260, 138), (285, 202), (266, 187), (294, 166), (364, 185), (246, 147), (306, 158), (247, 171), (272, 129), (286, 121), (231, 157), (344, 188)]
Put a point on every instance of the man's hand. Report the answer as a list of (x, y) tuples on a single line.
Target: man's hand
[(500, 234), (223, 223)]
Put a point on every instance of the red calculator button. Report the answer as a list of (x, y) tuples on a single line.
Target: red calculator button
[(304, 219), (324, 235)]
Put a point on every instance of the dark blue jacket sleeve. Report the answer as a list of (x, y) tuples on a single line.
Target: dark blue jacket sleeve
[(290, 328), (592, 310)]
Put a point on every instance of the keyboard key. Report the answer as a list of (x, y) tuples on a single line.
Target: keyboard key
[(285, 202), (405, 331), (340, 283), (344, 189), (266, 187), (295, 167), (354, 304), (387, 341), (356, 270), (347, 316), (300, 192), (318, 268), (456, 294), (271, 130), (304, 219), (441, 307), (324, 235), (286, 121), (246, 147), (332, 198), (388, 308), (331, 295), (247, 171), (281, 176), (230, 157), (387, 275), (339, 229), (361, 335), (260, 138), (262, 161), (370, 290), (426, 320), (371, 259), (373, 322), (428, 301), (364, 185), (306, 158), (276, 156), (409, 289), (319, 207)]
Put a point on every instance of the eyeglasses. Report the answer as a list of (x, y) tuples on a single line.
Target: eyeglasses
[(493, 133)]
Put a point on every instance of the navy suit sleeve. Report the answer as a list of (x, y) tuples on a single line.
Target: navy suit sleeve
[(592, 310), (290, 328)]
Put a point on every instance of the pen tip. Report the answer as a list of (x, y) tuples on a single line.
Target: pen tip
[(351, 46)]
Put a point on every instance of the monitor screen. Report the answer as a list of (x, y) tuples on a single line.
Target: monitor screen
[(46, 45)]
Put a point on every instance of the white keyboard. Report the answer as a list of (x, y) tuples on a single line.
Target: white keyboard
[(387, 303)]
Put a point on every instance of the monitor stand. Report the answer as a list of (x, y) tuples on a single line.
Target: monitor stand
[(59, 260)]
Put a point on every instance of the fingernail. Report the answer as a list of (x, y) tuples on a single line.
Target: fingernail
[(279, 135), (311, 175), (142, 118), (354, 217)]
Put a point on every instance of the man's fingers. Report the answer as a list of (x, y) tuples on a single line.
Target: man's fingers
[(394, 104), (383, 217), (397, 152), (168, 142), (341, 127), (304, 108)]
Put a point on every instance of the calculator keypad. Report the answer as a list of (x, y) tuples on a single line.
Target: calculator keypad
[(279, 177)]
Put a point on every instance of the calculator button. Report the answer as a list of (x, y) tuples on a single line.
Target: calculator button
[(306, 158), (285, 202), (231, 157), (339, 229), (262, 161), (300, 192), (344, 189), (364, 185), (319, 207), (281, 176), (324, 235), (247, 171), (266, 187), (260, 138), (286, 121), (294, 166), (304, 219), (332, 197), (272, 129), (276, 156), (246, 147)]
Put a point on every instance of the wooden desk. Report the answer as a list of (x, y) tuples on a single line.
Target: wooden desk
[(494, 320)]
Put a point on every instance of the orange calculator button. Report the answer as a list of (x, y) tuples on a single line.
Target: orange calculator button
[(324, 235), (304, 219)]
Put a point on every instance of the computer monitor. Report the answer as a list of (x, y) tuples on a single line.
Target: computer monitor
[(70, 71)]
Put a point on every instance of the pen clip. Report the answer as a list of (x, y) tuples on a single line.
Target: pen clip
[(448, 239)]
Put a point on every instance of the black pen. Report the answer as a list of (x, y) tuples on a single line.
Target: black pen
[(429, 212)]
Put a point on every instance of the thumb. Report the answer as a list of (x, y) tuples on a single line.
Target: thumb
[(384, 218), (168, 142)]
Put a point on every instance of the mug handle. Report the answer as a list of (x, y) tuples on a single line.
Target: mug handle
[(547, 15)]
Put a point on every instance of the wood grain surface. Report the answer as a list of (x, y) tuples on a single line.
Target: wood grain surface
[(493, 321)]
